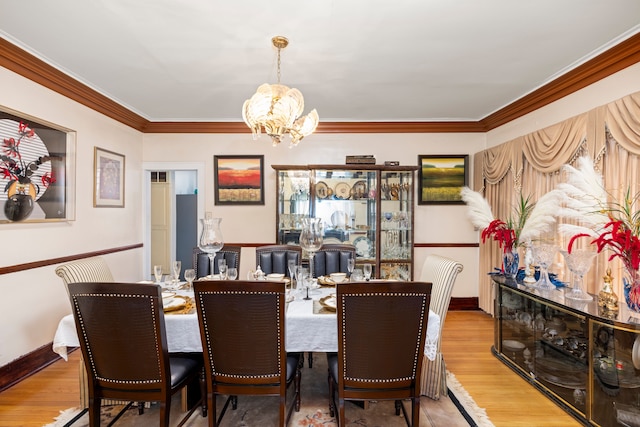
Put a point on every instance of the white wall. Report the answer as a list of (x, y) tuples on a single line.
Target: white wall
[(35, 300)]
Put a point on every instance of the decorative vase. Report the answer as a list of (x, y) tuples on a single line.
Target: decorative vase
[(632, 289), (211, 240), (510, 261), (20, 201)]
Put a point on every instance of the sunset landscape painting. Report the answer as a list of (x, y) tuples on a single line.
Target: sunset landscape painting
[(239, 180)]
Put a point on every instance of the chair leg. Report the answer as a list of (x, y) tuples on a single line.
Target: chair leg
[(234, 402), (296, 385), (415, 412), (94, 412), (310, 357), (165, 407), (398, 407), (332, 390), (342, 420), (203, 393), (140, 408)]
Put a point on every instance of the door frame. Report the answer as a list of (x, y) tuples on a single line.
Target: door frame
[(147, 168)]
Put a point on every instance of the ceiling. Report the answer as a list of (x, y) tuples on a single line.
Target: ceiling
[(354, 61)]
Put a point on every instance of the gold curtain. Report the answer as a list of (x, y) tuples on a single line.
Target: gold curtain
[(530, 165)]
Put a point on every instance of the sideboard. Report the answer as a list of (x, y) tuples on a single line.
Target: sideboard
[(587, 363)]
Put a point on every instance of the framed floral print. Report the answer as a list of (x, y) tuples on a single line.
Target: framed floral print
[(239, 180), (37, 161), (108, 179), (441, 177)]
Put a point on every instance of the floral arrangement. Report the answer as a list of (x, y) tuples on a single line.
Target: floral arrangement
[(528, 221), (611, 224), (14, 168)]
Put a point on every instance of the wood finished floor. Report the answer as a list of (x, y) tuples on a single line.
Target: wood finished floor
[(467, 338)]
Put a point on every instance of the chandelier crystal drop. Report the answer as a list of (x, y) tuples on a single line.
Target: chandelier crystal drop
[(277, 109)]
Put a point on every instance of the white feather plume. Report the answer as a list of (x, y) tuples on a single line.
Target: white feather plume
[(479, 211), (542, 217), (583, 198)]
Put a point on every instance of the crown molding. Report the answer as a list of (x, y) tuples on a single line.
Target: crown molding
[(613, 60)]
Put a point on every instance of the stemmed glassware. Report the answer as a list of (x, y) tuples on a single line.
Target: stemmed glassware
[(223, 270), (176, 266), (351, 264), (367, 269), (157, 272), (544, 254), (189, 276), (311, 238), (232, 273), (291, 265), (579, 262), (211, 240), (304, 281)]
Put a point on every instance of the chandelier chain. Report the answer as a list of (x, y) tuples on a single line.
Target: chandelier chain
[(279, 65)]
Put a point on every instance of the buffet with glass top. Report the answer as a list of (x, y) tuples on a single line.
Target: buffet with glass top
[(584, 359), (369, 206)]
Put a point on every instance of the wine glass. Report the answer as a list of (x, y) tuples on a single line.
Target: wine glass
[(311, 238), (232, 273), (304, 281), (351, 264), (222, 263), (544, 253), (157, 272), (176, 266), (578, 261), (367, 269), (291, 265), (211, 240), (223, 270), (189, 276)]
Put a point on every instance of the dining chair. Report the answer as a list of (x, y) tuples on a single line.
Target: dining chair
[(381, 335), (93, 269), (333, 258), (442, 272), (242, 333), (201, 263), (123, 341), (275, 258)]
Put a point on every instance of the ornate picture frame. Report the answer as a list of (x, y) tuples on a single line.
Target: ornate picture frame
[(441, 177), (108, 179), (37, 170), (239, 180)]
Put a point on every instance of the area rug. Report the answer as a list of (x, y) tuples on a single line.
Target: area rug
[(456, 410)]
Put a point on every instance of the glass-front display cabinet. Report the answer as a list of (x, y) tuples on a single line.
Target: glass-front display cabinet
[(368, 206), (586, 362)]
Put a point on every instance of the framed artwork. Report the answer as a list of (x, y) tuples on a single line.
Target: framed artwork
[(239, 180), (37, 170), (108, 179), (441, 178)]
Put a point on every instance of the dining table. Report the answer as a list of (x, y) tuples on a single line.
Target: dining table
[(309, 327)]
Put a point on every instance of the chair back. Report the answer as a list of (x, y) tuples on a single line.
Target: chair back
[(442, 272), (333, 258), (275, 258), (201, 263), (86, 270), (122, 338), (242, 330), (381, 334)]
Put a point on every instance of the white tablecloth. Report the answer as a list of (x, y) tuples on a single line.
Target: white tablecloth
[(305, 331)]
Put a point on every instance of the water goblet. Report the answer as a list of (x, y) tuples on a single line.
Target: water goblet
[(291, 265), (232, 273), (189, 276), (367, 269), (157, 272), (544, 254), (357, 275), (578, 261), (351, 264)]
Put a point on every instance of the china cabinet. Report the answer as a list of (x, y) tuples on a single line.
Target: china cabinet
[(369, 206), (586, 362)]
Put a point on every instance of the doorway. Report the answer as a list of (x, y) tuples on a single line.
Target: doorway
[(172, 207)]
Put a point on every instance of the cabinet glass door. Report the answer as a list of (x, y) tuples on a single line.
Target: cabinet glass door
[(396, 224), (293, 204)]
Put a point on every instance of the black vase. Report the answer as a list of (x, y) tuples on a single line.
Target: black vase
[(18, 207)]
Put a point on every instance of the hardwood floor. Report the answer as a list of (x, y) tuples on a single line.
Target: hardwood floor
[(467, 339)]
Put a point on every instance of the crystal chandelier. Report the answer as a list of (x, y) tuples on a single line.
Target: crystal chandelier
[(278, 109)]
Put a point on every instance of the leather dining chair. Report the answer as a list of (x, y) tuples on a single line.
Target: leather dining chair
[(275, 258), (442, 272), (242, 333), (202, 265), (381, 334), (333, 258), (126, 362)]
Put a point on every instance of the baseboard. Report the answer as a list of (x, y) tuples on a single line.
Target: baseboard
[(26, 366), (468, 303)]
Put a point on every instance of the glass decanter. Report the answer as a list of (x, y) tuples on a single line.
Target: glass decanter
[(211, 240), (311, 238)]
